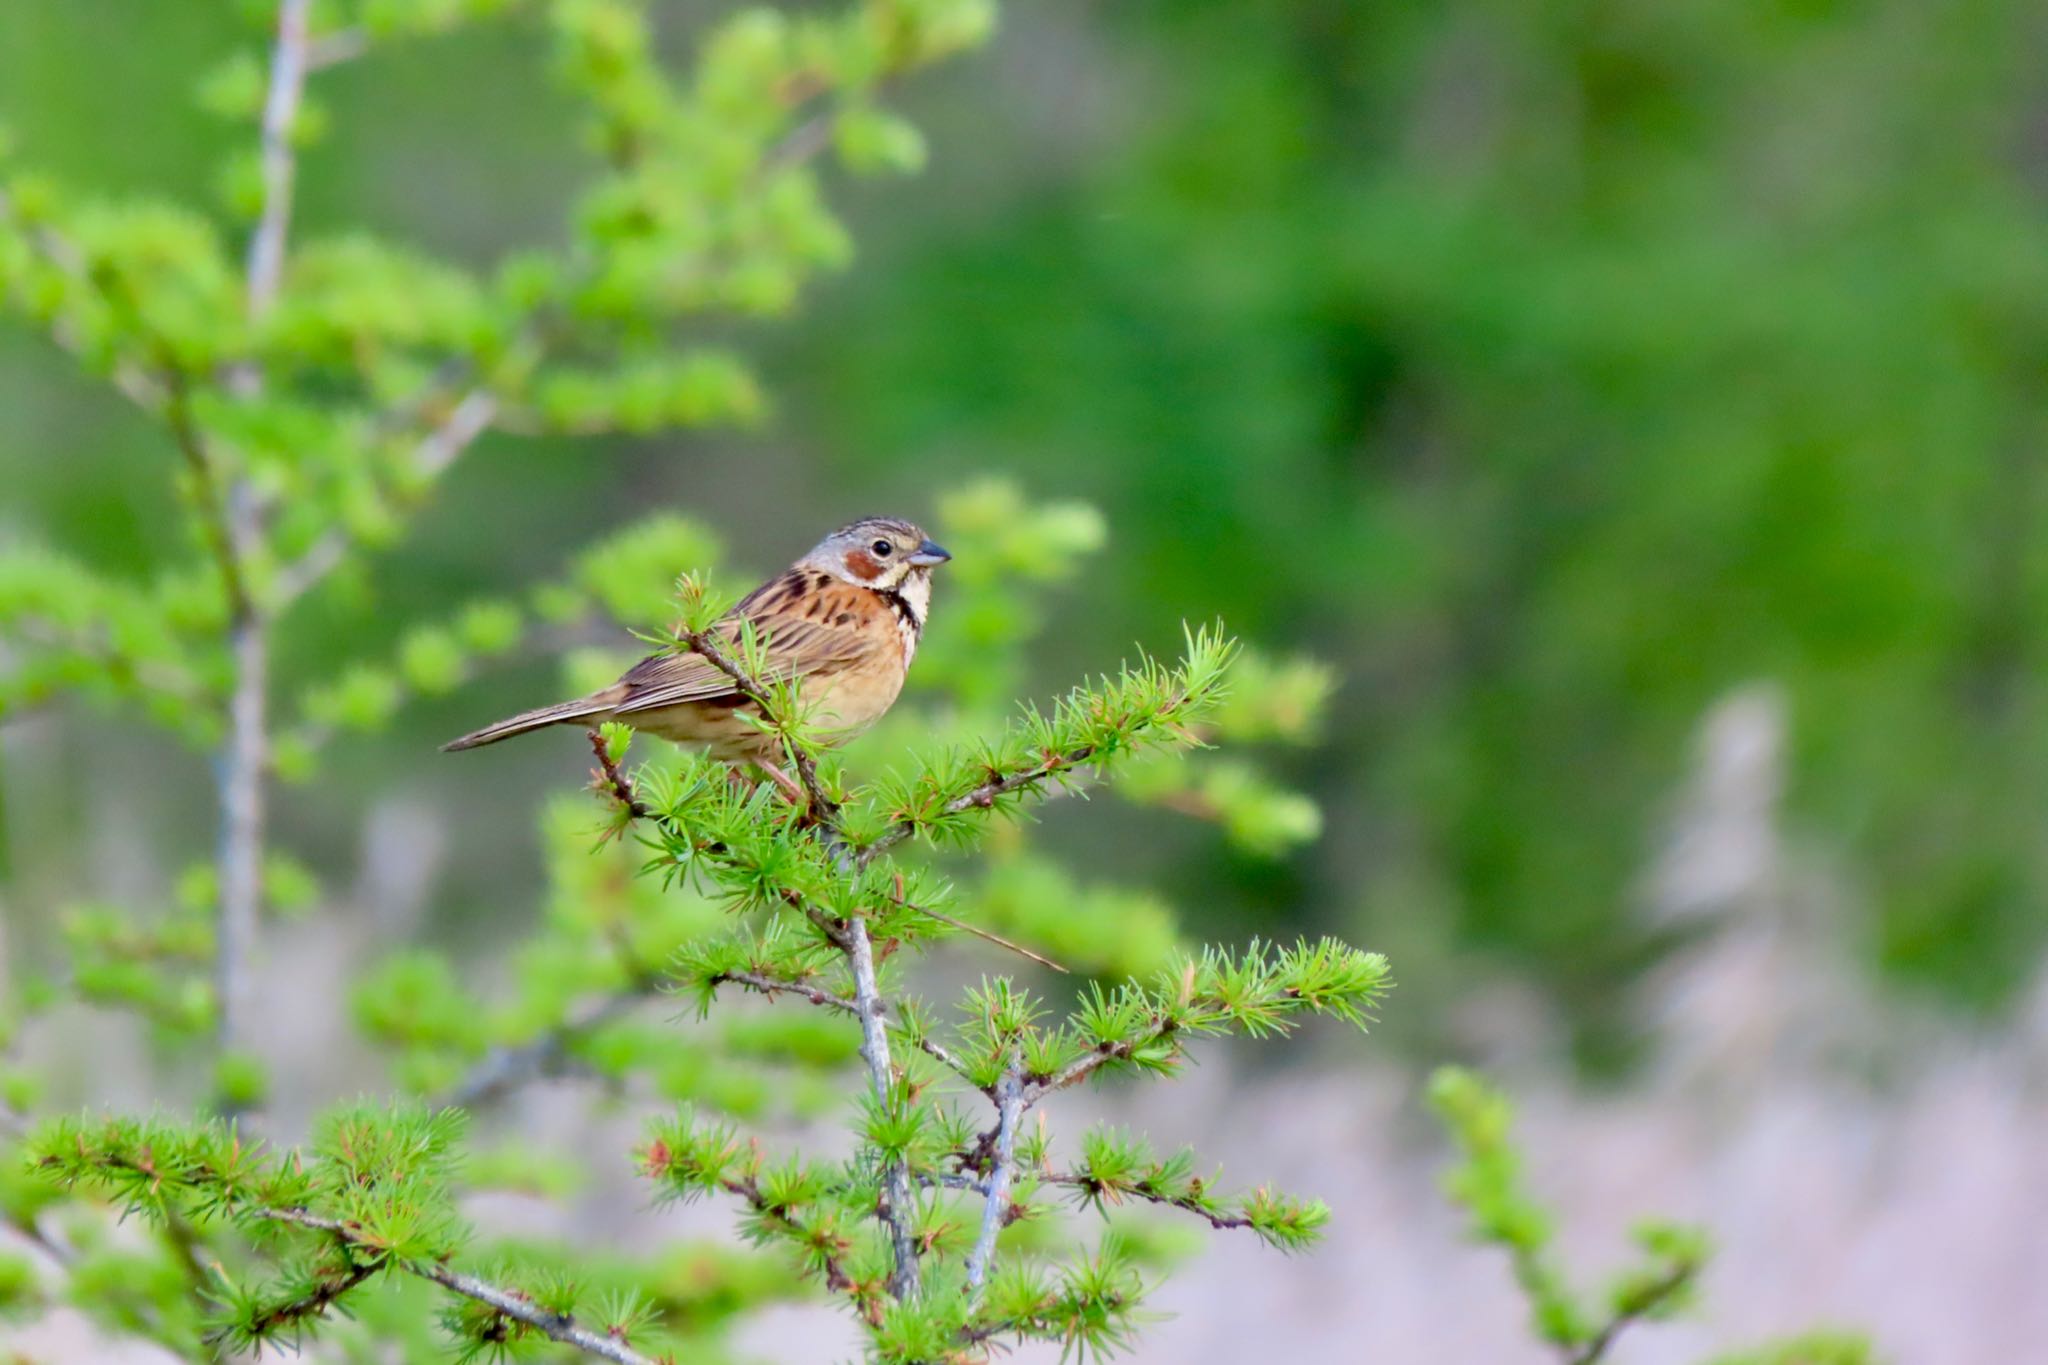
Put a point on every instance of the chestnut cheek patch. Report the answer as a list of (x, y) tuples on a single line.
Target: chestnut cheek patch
[(862, 565)]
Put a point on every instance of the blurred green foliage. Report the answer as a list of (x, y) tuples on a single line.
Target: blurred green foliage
[(1551, 371), (1662, 1283)]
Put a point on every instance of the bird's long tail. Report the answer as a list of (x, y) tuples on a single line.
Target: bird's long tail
[(562, 713)]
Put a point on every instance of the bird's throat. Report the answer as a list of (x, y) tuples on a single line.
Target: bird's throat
[(911, 599)]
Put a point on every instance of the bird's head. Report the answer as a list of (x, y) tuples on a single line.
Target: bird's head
[(881, 553)]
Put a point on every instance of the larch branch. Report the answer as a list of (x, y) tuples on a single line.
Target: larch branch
[(897, 1209), (995, 1206), (983, 797), (1080, 1069), (507, 1303), (1187, 1203)]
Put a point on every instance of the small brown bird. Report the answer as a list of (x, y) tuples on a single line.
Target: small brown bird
[(843, 622)]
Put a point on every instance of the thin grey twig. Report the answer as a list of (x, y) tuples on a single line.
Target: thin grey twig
[(897, 1209), (980, 933), (508, 1303), (995, 1207), (242, 764), (466, 421), (332, 49), (1082, 1182), (245, 758), (505, 1069), (808, 138), (441, 445), (801, 143), (772, 986), (279, 161)]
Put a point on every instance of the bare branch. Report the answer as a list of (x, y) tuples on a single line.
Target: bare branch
[(979, 933), (279, 161), (801, 143), (505, 1069), (995, 1207), (332, 49), (809, 137), (243, 763), (771, 986), (442, 444)]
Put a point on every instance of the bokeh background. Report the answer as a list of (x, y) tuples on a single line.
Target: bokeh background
[(1640, 405)]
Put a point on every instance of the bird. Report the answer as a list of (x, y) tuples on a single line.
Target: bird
[(843, 623)]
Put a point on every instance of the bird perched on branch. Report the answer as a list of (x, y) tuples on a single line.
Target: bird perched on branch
[(842, 622)]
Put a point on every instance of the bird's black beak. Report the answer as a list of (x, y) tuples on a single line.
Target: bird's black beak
[(929, 553)]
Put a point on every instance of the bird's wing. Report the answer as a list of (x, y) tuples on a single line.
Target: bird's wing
[(805, 626)]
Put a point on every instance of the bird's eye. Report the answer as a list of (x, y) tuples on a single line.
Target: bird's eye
[(883, 549)]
